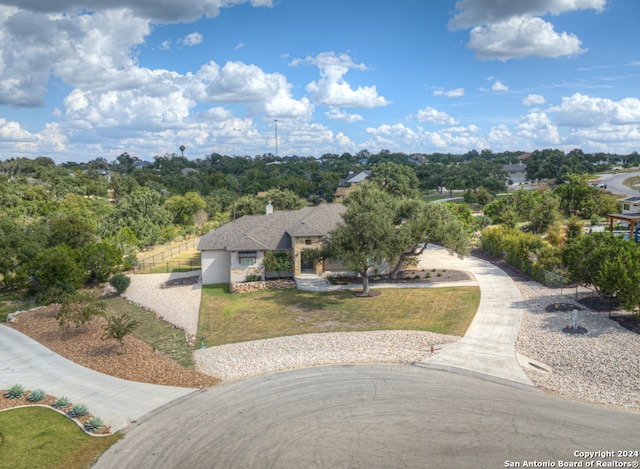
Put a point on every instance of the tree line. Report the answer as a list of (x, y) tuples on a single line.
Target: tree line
[(70, 224)]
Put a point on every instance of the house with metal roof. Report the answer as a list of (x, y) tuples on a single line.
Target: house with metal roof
[(236, 250)]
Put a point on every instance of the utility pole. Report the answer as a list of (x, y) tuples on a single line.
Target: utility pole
[(276, 137)]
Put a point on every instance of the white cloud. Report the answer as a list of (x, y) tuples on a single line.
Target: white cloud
[(534, 100), (192, 39), (455, 93), (499, 86), (239, 46), (166, 11), (510, 29), (474, 12), (521, 36), (583, 111), (433, 116), (237, 82), (537, 127), (216, 113), (13, 132), (93, 51), (339, 114), (332, 90), (500, 137)]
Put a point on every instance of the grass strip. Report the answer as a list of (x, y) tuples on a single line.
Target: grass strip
[(37, 437), (163, 336)]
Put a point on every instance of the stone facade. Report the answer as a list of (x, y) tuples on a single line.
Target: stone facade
[(246, 287), (299, 245)]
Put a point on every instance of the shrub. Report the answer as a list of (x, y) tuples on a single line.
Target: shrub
[(416, 277), (80, 309), (36, 395), (118, 327), (61, 402), (439, 274), (94, 424), (120, 282), (78, 410), (15, 392), (427, 275), (254, 278)]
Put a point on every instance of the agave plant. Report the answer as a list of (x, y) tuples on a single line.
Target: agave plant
[(61, 402), (36, 395), (15, 392), (78, 410), (94, 424)]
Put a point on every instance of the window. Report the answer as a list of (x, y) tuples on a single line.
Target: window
[(626, 206), (307, 242), (247, 258)]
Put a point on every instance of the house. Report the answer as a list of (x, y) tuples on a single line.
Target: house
[(346, 184), (517, 172), (631, 205), (631, 215), (236, 250)]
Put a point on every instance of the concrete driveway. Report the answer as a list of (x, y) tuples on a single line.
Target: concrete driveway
[(117, 402)]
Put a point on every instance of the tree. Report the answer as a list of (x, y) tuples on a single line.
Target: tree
[(182, 208), (100, 261), (71, 230), (367, 234), (54, 273), (609, 263), (419, 223), (577, 197), (80, 309), (396, 179)]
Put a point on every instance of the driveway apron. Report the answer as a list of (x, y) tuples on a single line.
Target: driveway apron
[(488, 345)]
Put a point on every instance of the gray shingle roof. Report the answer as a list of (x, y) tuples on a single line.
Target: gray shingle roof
[(273, 231)]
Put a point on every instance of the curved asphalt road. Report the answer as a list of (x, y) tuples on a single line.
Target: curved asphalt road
[(370, 417), (615, 183)]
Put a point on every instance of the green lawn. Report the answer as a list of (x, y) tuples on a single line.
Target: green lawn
[(156, 332), (229, 318), (40, 438)]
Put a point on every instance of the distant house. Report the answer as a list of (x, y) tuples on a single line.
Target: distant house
[(346, 184), (631, 205), (236, 250), (517, 172)]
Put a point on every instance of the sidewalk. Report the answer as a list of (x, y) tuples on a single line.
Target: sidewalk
[(488, 345), (116, 401)]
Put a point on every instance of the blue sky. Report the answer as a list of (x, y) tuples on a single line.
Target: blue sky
[(82, 79)]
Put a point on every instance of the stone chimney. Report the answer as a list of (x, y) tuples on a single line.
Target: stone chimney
[(269, 208)]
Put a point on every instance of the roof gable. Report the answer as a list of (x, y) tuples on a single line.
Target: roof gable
[(273, 231)]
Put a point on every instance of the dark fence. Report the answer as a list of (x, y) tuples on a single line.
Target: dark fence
[(169, 266), (161, 262)]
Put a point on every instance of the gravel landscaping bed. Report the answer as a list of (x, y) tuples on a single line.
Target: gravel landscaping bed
[(601, 366), (178, 305), (235, 361)]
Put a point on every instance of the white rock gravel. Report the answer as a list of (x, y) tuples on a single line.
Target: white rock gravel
[(601, 366), (179, 305), (234, 361)]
